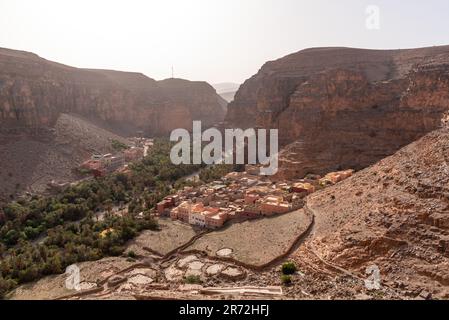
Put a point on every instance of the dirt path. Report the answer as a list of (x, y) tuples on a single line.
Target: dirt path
[(334, 268)]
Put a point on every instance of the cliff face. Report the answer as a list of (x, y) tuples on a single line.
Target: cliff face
[(341, 107), (34, 92)]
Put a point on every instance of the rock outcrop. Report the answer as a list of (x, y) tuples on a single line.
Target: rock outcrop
[(34, 92), (345, 108)]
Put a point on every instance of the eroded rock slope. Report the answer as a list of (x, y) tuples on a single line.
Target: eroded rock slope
[(394, 214)]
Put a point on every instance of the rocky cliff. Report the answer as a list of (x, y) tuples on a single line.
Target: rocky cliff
[(34, 92), (345, 108)]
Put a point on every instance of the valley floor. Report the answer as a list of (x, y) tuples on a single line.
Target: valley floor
[(159, 270), (391, 217)]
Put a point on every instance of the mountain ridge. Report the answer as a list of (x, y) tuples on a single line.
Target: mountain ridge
[(34, 91)]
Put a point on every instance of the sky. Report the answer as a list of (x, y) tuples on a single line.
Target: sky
[(211, 40)]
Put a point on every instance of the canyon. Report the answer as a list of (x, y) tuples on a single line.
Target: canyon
[(344, 108), (383, 113), (392, 216)]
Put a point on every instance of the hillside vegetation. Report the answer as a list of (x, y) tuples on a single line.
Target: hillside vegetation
[(43, 235)]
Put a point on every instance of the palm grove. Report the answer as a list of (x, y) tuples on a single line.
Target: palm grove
[(43, 235)]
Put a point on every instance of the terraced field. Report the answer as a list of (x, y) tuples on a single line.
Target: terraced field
[(255, 243), (172, 234)]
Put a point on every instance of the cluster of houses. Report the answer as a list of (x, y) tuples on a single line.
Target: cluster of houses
[(100, 165), (240, 195), (334, 177)]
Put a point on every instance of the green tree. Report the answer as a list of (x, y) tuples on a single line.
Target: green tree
[(288, 268)]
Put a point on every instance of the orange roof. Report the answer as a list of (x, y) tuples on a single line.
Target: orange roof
[(198, 207)]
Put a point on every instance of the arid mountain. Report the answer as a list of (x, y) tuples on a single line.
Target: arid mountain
[(343, 107), (34, 92), (395, 215)]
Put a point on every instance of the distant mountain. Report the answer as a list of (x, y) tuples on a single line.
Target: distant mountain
[(53, 116), (226, 90), (228, 96), (226, 87)]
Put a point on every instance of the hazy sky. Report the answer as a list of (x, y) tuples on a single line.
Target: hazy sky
[(212, 40)]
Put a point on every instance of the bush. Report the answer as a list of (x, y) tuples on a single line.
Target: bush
[(192, 279), (286, 279), (288, 268), (5, 286), (132, 254), (118, 146), (29, 274)]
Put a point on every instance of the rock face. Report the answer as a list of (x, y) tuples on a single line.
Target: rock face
[(342, 107), (34, 92)]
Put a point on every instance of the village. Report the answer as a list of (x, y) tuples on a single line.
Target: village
[(241, 196), (101, 164), (236, 197)]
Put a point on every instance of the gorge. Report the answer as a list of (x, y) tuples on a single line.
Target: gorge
[(383, 113)]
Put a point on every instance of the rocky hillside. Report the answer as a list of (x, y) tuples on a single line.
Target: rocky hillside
[(395, 215), (31, 161), (345, 108), (34, 92)]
